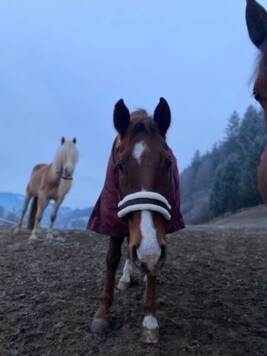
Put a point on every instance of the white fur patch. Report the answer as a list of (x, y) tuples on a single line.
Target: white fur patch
[(149, 247), (150, 322), (138, 150), (127, 271)]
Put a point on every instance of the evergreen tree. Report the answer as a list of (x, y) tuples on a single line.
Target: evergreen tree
[(225, 179), (231, 143), (225, 193)]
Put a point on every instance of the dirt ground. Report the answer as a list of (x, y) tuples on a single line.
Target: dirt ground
[(212, 295)]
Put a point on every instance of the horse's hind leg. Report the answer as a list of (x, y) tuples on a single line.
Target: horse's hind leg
[(100, 321), (24, 209)]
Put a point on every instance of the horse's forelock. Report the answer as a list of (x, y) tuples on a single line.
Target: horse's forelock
[(141, 122), (139, 114)]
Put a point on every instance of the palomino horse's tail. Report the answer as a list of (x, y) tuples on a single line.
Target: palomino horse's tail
[(32, 213)]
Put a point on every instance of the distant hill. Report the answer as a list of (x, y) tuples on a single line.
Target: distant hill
[(255, 217), (11, 205), (11, 201)]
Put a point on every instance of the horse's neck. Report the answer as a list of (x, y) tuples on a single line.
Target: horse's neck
[(64, 187)]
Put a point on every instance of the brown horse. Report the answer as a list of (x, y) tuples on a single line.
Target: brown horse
[(144, 166), (49, 182), (256, 17)]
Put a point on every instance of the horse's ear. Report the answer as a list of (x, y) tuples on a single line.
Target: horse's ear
[(121, 118), (162, 116), (74, 140), (62, 140), (256, 18)]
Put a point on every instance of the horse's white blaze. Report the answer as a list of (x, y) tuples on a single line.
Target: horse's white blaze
[(138, 150), (127, 271), (150, 322), (149, 249)]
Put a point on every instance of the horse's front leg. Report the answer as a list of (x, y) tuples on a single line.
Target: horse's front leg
[(53, 217), (150, 324), (100, 321), (42, 204)]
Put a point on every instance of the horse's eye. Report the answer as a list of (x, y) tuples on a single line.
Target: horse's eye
[(257, 96), (169, 164), (119, 167)]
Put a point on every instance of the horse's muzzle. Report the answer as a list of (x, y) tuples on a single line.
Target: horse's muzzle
[(145, 265)]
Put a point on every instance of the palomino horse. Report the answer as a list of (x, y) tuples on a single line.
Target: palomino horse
[(256, 17), (144, 166), (49, 182)]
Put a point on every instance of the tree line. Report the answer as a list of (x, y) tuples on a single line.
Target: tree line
[(225, 179)]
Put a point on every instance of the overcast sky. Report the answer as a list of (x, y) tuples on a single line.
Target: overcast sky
[(64, 64)]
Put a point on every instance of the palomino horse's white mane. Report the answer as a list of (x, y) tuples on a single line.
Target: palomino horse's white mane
[(67, 156)]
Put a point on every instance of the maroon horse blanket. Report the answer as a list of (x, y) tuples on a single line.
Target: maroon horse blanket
[(104, 218)]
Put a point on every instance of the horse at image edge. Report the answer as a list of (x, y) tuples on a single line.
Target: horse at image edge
[(256, 18)]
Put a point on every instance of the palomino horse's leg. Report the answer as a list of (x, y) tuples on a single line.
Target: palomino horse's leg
[(24, 209), (53, 217), (42, 204), (150, 324), (100, 320)]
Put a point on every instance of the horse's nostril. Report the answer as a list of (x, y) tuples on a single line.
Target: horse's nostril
[(162, 257), (138, 263)]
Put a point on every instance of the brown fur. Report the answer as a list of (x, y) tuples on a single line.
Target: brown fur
[(256, 17), (142, 127)]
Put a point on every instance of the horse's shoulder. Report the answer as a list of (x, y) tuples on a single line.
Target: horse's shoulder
[(38, 167)]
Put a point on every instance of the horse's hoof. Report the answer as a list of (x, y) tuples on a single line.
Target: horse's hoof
[(16, 231), (33, 237), (150, 336), (99, 326), (49, 235), (123, 285)]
